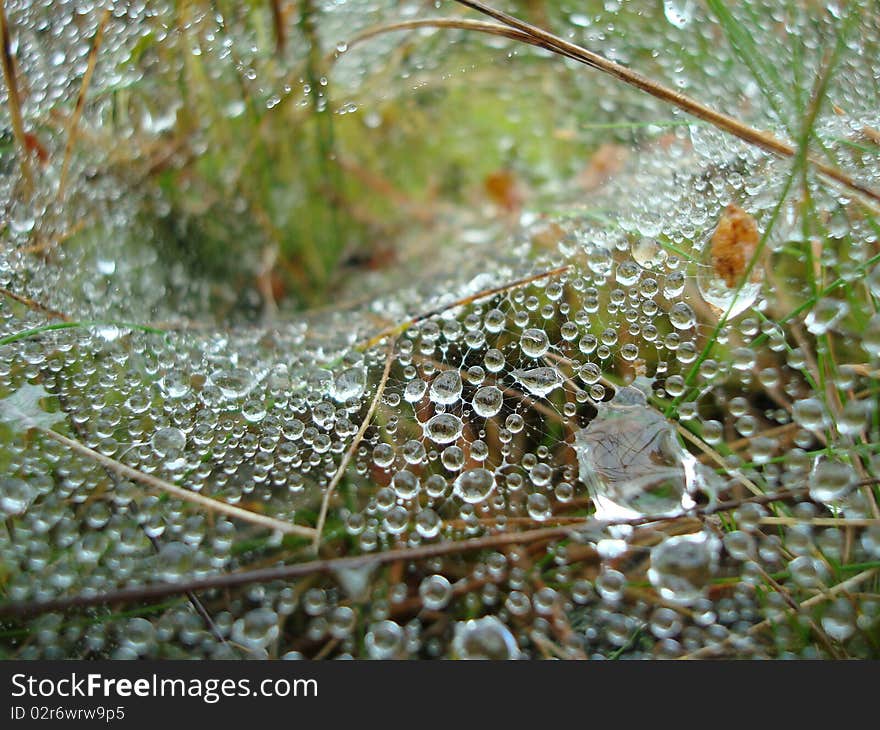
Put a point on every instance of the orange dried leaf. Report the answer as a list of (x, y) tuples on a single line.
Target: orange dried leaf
[(504, 190), (733, 244), (871, 134), (34, 146)]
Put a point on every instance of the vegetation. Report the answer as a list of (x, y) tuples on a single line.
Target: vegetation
[(402, 331)]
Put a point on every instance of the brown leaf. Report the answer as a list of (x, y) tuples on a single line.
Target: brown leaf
[(34, 146), (504, 190), (734, 244)]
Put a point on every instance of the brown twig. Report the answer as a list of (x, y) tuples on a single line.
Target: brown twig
[(404, 326), (197, 605), (278, 26), (35, 305), (153, 482), (298, 570), (764, 140), (287, 572), (14, 97), (824, 639), (81, 100), (41, 246), (822, 521), (844, 587)]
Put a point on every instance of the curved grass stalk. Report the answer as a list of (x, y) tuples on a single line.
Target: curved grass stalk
[(81, 100), (479, 26), (67, 324), (764, 140), (214, 505), (399, 329), (14, 98), (349, 454)]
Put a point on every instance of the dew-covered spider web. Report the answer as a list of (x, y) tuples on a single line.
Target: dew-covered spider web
[(635, 416)]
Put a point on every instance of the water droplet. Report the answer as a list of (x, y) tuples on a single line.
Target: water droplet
[(235, 383), (15, 495), (415, 390), (810, 413), (534, 342), (825, 315), (487, 401), (679, 13), (350, 384), (168, 441), (256, 629), (485, 638), (631, 461), (435, 592), (681, 316), (446, 388), (406, 484), (683, 566), (384, 640), (539, 381), (830, 481), (839, 619), (444, 428), (475, 485), (871, 337)]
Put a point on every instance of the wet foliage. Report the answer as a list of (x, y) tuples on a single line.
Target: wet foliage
[(354, 330)]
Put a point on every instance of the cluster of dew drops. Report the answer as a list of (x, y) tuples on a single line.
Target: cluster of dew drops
[(540, 405), (521, 409)]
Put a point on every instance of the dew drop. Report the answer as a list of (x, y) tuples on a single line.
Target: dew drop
[(534, 342), (487, 401), (485, 638), (446, 388), (444, 428), (683, 566), (435, 592), (539, 381), (349, 384), (631, 461), (681, 316), (825, 315), (15, 495), (475, 485)]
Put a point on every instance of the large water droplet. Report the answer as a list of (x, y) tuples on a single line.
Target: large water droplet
[(539, 381), (487, 401), (446, 388), (825, 315), (444, 428), (474, 485), (683, 566), (830, 480), (256, 629), (235, 383), (349, 384), (631, 461), (534, 342), (15, 495), (679, 13), (435, 592), (681, 316)]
